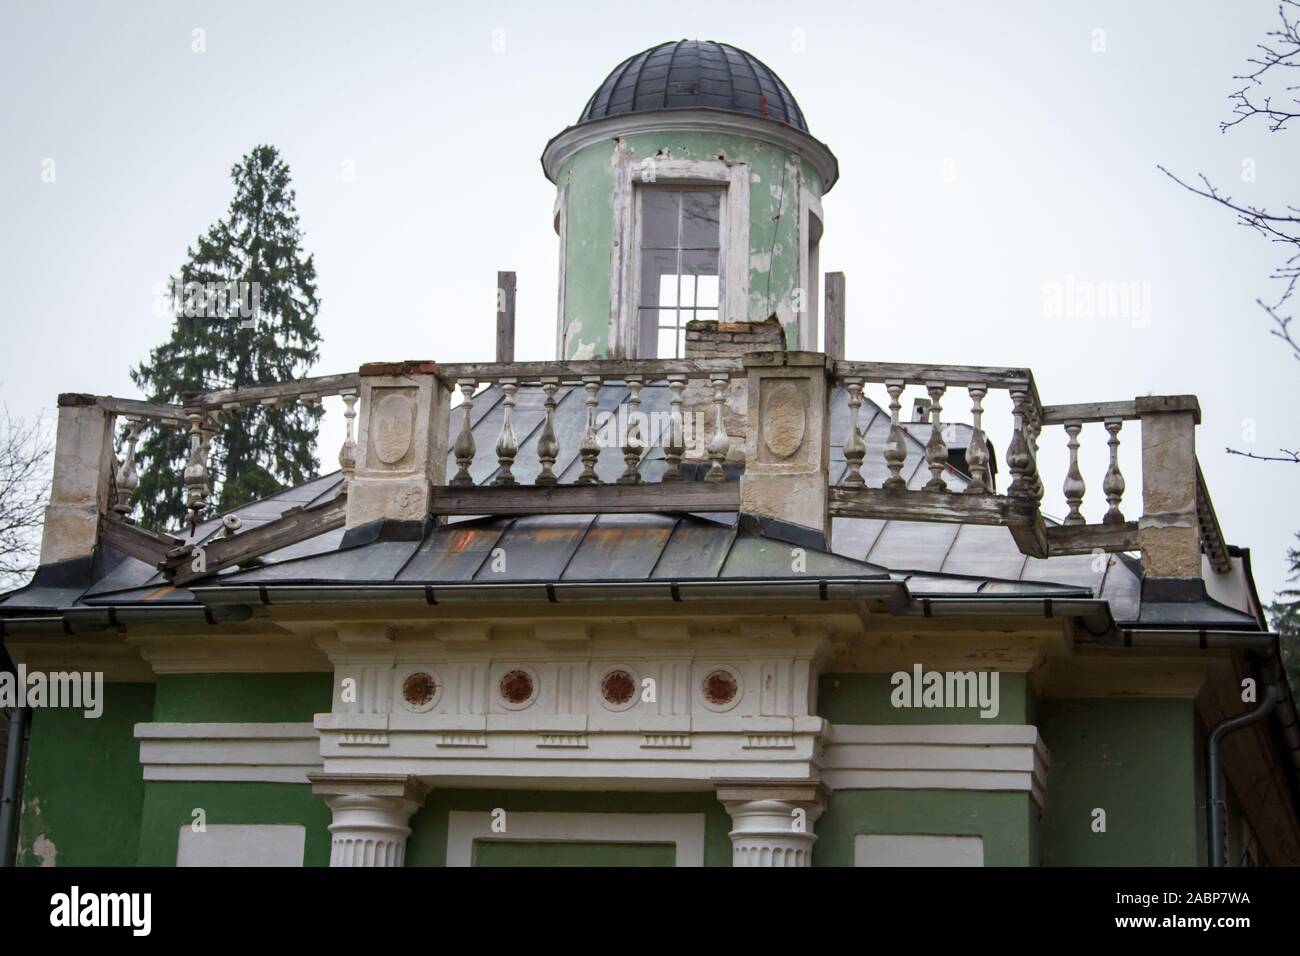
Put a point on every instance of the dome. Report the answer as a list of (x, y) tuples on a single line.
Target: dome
[(694, 74)]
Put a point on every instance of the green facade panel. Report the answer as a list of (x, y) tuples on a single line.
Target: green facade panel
[(511, 853), (1137, 761), (83, 790), (242, 698), (851, 698), (1008, 822), (170, 805)]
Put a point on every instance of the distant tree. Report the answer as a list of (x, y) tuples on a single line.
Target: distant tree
[(1285, 615), (245, 312), (24, 491)]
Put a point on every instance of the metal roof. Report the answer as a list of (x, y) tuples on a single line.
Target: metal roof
[(694, 74), (931, 559)]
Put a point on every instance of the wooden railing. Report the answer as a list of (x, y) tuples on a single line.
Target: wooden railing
[(974, 499)]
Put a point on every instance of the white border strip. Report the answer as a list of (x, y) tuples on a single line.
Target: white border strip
[(684, 830)]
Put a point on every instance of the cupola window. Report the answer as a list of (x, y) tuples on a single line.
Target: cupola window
[(680, 249)]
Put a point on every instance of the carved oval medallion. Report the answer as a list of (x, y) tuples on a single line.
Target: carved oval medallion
[(394, 424), (784, 420)]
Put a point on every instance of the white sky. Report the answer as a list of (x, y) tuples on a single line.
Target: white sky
[(985, 151)]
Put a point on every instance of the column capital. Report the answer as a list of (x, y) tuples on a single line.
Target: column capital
[(371, 812), (772, 820)]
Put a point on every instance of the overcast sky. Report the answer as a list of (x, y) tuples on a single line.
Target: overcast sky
[(987, 151)]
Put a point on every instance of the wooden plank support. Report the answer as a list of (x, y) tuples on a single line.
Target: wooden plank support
[(317, 386), (505, 316), (954, 376), (1018, 515), (677, 496), (608, 369), (147, 546), (835, 315), (296, 524), (172, 414), (1087, 538), (1089, 412)]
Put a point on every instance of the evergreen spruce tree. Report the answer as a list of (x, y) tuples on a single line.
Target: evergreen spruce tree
[(246, 314), (1285, 613)]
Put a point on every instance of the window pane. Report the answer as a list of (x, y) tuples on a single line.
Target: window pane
[(700, 263), (668, 344), (706, 292), (659, 209), (700, 224), (658, 277)]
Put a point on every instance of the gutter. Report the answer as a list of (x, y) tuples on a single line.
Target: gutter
[(893, 593)]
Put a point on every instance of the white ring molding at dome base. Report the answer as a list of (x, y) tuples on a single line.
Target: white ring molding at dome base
[(696, 120)]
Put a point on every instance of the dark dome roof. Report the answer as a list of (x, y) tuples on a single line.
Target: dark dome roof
[(694, 74)]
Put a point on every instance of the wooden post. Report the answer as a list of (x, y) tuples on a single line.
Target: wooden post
[(505, 316), (835, 315)]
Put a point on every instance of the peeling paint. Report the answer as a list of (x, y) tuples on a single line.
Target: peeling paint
[(45, 850)]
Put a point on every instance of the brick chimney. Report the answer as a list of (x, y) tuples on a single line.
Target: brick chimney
[(705, 340)]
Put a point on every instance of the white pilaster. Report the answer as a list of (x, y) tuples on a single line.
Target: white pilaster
[(772, 823), (371, 814)]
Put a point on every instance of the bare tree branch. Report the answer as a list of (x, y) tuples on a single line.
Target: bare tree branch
[(1291, 457), (25, 452), (1280, 53)]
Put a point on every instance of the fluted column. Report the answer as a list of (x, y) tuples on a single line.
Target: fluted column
[(371, 816), (772, 823)]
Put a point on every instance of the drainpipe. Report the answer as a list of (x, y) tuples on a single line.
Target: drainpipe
[(12, 774), (1217, 804)]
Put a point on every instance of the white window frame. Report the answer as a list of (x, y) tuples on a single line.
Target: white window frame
[(684, 830), (560, 217), (733, 253), (917, 849), (809, 319)]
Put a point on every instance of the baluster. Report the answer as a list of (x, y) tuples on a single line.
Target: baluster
[(464, 447), (128, 477), (895, 444), (977, 453), (1113, 484), (348, 453), (936, 449), (548, 446), (196, 469), (633, 443), (589, 449), (507, 444), (1018, 453), (1074, 486), (675, 447), (720, 443), (1034, 430), (855, 449)]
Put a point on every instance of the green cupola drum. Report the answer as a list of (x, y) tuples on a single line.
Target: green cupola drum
[(689, 189)]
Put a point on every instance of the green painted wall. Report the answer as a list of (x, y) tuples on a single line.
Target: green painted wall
[(775, 179), (427, 845), (1008, 822), (1137, 760), (242, 698), (506, 853), (865, 699), (82, 794), (169, 805)]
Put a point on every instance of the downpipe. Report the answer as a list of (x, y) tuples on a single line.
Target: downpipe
[(12, 782), (1214, 770)]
